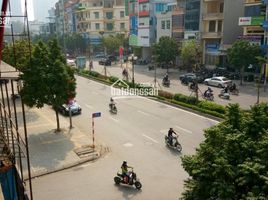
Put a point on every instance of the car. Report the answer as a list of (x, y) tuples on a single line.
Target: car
[(112, 58), (75, 109), (105, 61), (191, 77), (100, 55), (219, 81)]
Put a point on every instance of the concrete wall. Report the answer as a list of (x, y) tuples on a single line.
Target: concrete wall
[(232, 11)]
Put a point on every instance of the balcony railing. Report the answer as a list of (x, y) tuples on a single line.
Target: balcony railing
[(212, 34), (210, 16)]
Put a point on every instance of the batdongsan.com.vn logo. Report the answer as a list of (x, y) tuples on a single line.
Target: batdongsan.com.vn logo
[(5, 19), (121, 88)]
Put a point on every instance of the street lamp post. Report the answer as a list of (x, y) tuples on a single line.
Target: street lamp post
[(133, 58)]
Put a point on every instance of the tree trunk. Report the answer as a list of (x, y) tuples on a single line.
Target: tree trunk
[(58, 121), (241, 75)]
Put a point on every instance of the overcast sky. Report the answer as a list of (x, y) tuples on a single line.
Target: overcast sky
[(41, 8)]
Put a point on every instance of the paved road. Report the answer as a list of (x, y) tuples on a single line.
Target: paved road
[(135, 134), (246, 98)]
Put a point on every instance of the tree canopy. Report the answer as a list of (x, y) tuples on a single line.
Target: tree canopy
[(112, 43), (48, 80), (166, 50), (17, 55), (242, 54), (232, 161), (191, 54)]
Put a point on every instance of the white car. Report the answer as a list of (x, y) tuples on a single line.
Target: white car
[(219, 81)]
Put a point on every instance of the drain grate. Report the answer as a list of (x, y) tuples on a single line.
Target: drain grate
[(84, 151)]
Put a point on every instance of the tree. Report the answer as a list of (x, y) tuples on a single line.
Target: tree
[(191, 54), (166, 50), (232, 161), (112, 43), (17, 55), (48, 80), (242, 54)]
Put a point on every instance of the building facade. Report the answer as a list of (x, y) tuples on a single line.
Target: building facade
[(219, 28)]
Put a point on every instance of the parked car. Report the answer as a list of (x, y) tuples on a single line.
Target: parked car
[(75, 109), (112, 58), (191, 77), (100, 55), (105, 61), (219, 81)]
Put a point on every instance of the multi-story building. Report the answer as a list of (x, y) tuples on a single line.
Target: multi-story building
[(265, 27), (178, 14), (192, 19), (163, 25), (99, 18), (219, 28)]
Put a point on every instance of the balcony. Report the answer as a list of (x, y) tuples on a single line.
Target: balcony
[(253, 1), (178, 11), (144, 13), (212, 16), (210, 35)]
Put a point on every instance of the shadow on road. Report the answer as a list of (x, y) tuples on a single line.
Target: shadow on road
[(128, 191)]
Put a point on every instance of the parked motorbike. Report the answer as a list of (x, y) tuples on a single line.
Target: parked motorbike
[(166, 83), (209, 96), (224, 95), (174, 143), (184, 81), (131, 180), (113, 108)]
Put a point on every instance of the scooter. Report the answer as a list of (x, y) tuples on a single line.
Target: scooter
[(234, 91), (130, 180), (113, 109), (224, 95), (166, 83), (184, 81), (208, 96), (175, 144)]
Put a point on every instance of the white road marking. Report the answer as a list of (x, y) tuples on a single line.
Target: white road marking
[(86, 165), (150, 138), (116, 120), (185, 130), (128, 144), (89, 106), (144, 113)]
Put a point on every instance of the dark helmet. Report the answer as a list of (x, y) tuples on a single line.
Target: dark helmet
[(124, 162), (111, 99)]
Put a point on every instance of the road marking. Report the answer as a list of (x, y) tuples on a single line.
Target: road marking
[(185, 130), (144, 113), (89, 106), (149, 138), (128, 144), (86, 165), (116, 120)]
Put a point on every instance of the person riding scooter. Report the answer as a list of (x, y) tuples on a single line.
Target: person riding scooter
[(112, 103), (170, 135), (208, 92), (125, 172)]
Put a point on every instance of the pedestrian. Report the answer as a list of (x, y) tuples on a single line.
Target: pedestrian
[(90, 65)]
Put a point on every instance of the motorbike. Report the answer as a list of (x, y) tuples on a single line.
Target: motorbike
[(224, 95), (166, 83), (234, 91), (208, 96), (113, 108), (184, 81), (192, 87), (175, 144), (130, 180)]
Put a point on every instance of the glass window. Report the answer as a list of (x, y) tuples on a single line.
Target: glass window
[(221, 7), (220, 26), (97, 26), (122, 14), (122, 25), (97, 15), (212, 25), (168, 24), (109, 26), (109, 15), (163, 24)]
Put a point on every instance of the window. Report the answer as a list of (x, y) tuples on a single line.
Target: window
[(168, 24), (221, 7), (163, 24), (109, 15), (109, 26), (97, 26), (212, 26), (122, 14), (122, 26), (220, 26), (97, 15)]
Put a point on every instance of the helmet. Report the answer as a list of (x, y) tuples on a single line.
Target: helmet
[(124, 162), (111, 99)]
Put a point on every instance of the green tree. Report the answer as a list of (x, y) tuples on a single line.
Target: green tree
[(166, 50), (191, 54), (17, 55), (242, 54), (48, 80), (232, 161), (112, 43)]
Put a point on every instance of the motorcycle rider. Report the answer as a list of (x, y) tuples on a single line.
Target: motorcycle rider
[(112, 103), (208, 92), (226, 89), (233, 87), (125, 172), (170, 135), (165, 79)]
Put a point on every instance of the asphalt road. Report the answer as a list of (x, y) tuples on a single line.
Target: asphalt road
[(135, 134)]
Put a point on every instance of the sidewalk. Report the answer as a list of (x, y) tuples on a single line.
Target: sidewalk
[(52, 151)]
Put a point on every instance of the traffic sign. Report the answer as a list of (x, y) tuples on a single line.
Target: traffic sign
[(94, 115)]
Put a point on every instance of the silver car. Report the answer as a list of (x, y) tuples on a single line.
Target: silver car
[(219, 81), (75, 109)]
